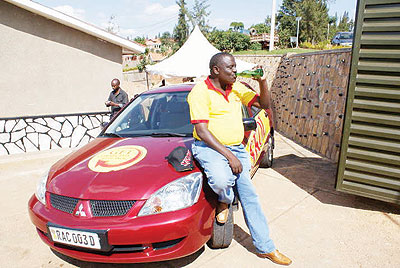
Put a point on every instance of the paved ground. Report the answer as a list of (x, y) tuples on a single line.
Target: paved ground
[(310, 222)]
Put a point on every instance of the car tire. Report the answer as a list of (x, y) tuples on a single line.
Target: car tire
[(268, 157), (222, 234)]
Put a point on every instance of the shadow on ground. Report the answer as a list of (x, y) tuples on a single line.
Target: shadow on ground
[(165, 264), (317, 176), (243, 238)]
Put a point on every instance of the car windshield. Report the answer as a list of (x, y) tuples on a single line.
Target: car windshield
[(346, 36), (157, 115)]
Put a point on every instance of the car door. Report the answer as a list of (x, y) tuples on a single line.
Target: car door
[(255, 140)]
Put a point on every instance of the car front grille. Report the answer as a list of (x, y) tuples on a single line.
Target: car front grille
[(106, 208), (100, 208), (63, 203)]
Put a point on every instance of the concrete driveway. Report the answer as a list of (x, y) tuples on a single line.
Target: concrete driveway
[(309, 221)]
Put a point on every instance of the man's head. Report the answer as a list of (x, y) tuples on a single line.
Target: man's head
[(115, 84), (223, 68)]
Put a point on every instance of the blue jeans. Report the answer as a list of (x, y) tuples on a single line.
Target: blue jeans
[(225, 184)]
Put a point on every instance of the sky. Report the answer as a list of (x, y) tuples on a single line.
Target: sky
[(148, 18)]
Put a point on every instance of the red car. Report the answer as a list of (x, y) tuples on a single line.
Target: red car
[(118, 200)]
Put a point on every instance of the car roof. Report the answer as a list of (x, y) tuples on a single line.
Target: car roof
[(171, 88)]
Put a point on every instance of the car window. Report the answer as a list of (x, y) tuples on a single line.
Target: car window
[(153, 114), (346, 36)]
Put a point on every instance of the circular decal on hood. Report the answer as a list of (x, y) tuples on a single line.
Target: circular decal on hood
[(117, 158)]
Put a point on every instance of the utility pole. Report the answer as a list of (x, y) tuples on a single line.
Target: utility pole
[(297, 38), (327, 36), (272, 33)]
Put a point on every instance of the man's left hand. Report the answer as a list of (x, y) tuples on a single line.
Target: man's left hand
[(262, 78)]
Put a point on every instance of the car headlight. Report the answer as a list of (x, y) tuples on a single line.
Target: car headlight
[(181, 193), (41, 188)]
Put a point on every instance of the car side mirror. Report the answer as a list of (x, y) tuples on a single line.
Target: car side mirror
[(249, 124)]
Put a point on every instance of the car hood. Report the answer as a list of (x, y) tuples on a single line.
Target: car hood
[(77, 176)]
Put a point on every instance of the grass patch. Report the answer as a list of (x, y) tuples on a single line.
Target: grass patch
[(129, 69)]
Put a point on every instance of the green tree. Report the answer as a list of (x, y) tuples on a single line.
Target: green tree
[(332, 26), (229, 40), (112, 26), (140, 40), (145, 61), (286, 19), (345, 24), (236, 26), (314, 22), (167, 43), (313, 25), (199, 14), (181, 31), (263, 27)]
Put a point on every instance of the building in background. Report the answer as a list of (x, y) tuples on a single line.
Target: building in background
[(56, 71)]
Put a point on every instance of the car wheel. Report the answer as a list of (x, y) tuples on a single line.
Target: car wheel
[(268, 157), (222, 234)]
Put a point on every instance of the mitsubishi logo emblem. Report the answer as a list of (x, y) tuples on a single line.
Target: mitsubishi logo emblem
[(80, 211)]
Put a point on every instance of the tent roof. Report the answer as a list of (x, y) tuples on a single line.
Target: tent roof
[(192, 59)]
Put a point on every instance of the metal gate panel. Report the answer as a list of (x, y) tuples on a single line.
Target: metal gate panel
[(369, 163)]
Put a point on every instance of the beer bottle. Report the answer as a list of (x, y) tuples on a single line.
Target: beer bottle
[(257, 73)]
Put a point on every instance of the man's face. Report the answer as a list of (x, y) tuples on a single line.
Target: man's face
[(114, 85), (227, 70)]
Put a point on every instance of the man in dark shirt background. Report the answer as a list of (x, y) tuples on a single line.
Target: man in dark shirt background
[(117, 98)]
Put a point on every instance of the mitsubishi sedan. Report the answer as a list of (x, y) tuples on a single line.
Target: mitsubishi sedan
[(118, 200)]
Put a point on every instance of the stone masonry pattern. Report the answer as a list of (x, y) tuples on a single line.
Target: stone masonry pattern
[(48, 132), (308, 94), (309, 97)]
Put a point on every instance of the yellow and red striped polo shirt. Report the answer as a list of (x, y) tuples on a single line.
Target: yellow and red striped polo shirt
[(222, 110)]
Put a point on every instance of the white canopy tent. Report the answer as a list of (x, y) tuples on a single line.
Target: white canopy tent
[(192, 59)]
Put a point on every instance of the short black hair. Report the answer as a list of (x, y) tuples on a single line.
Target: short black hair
[(217, 58)]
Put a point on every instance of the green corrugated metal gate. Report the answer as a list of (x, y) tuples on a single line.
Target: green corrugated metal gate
[(369, 163)]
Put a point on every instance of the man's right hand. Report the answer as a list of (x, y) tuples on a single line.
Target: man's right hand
[(235, 164), (206, 136)]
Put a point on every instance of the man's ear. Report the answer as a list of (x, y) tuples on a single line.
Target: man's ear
[(215, 69)]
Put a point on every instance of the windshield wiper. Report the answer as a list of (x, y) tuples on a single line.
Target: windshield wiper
[(168, 134), (110, 134)]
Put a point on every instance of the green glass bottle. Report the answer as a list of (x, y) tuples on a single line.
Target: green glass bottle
[(257, 73)]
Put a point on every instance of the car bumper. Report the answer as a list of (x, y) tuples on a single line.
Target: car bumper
[(132, 239)]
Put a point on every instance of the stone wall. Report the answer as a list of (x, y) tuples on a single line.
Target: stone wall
[(30, 134), (309, 96), (308, 92), (270, 64)]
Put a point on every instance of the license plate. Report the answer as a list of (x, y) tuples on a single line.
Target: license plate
[(75, 238)]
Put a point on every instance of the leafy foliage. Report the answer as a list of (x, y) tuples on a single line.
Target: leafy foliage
[(286, 18), (236, 26), (182, 29), (140, 40), (167, 43), (263, 27), (313, 24), (142, 64), (229, 40), (345, 24), (198, 16), (112, 26)]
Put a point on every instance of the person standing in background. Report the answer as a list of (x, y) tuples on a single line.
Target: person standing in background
[(117, 98)]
